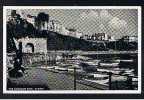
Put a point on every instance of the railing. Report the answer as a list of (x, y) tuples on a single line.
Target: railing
[(29, 59)]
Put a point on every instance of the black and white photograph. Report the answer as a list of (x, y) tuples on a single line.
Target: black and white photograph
[(67, 49)]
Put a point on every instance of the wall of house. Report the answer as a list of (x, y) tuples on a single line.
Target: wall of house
[(40, 45)]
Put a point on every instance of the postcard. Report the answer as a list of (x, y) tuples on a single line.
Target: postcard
[(72, 49)]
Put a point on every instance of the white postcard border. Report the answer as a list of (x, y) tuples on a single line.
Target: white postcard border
[(5, 91)]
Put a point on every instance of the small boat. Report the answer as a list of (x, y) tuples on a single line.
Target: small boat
[(92, 63), (62, 69), (78, 69), (97, 75), (119, 78), (105, 81), (135, 79), (125, 60), (86, 67), (49, 67), (109, 63), (129, 72), (70, 69), (97, 78), (108, 70), (82, 57)]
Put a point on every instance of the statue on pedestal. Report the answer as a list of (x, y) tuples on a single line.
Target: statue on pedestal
[(18, 70)]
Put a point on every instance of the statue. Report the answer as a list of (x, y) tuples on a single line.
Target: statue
[(18, 70)]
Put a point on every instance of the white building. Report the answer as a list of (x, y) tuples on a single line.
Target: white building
[(130, 38), (79, 34), (64, 31), (55, 26), (111, 38)]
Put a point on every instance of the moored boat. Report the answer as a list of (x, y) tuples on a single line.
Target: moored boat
[(109, 63), (97, 78)]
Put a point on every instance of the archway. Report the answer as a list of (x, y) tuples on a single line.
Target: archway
[(30, 48)]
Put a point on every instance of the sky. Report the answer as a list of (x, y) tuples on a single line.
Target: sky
[(114, 22)]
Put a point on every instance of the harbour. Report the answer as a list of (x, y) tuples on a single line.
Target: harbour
[(90, 71)]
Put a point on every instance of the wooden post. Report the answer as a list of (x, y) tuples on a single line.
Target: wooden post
[(110, 76), (49, 59), (74, 78), (116, 83)]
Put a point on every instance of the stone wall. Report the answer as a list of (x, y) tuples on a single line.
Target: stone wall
[(39, 45)]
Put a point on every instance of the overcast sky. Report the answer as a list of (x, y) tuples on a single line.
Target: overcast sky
[(116, 22)]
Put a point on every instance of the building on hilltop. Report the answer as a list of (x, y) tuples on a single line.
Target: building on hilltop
[(97, 37), (130, 38)]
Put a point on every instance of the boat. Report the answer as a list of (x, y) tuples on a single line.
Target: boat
[(109, 63), (82, 57), (78, 69), (125, 60), (129, 70), (105, 81), (97, 75), (97, 78), (92, 62), (134, 79), (109, 70), (89, 66), (62, 69), (119, 78)]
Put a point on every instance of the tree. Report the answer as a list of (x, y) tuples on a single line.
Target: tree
[(10, 38), (17, 28)]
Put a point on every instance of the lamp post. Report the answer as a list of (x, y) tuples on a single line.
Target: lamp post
[(110, 81), (74, 78)]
